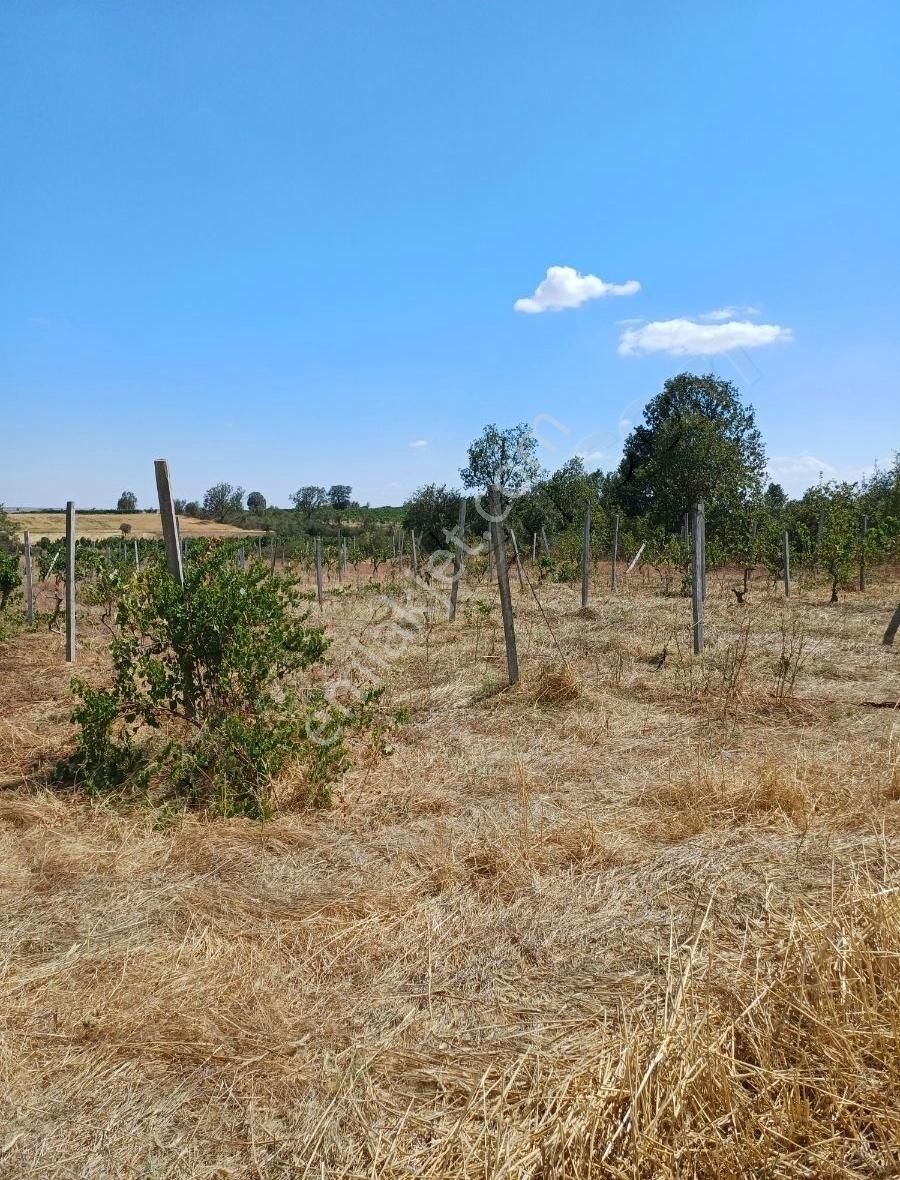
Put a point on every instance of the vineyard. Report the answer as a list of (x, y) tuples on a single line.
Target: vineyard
[(637, 915)]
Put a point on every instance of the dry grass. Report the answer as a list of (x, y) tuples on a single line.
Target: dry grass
[(652, 930), (96, 525)]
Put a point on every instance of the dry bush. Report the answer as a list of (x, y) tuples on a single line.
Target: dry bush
[(556, 684)]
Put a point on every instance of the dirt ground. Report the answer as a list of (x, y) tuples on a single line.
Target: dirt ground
[(637, 917)]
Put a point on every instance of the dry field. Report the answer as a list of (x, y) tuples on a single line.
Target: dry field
[(96, 525), (638, 917)]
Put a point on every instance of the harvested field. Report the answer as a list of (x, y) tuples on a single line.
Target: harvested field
[(637, 917), (97, 525)]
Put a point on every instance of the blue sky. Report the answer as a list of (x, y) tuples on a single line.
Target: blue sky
[(279, 243)]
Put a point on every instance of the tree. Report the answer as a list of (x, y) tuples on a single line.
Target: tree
[(775, 497), (507, 458), (834, 507), (124, 528), (308, 499), (222, 500), (698, 441), (7, 531), (256, 502), (339, 495), (180, 507), (10, 578), (127, 502), (191, 508), (429, 511)]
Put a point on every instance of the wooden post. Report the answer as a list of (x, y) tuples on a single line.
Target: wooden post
[(242, 560), (636, 558), (137, 558), (274, 554), (863, 529), (29, 582), (786, 561), (515, 545), (697, 579), (70, 583), (533, 548), (892, 628), (586, 557), (509, 631), (615, 553), (340, 558), (544, 541), (320, 593), (169, 522), (702, 508), (415, 553), (490, 539), (458, 559)]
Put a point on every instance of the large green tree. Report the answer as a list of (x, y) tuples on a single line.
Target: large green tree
[(429, 511), (698, 441)]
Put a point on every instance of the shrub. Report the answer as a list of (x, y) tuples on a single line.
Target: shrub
[(10, 578), (205, 702)]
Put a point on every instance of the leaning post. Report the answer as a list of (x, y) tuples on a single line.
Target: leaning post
[(697, 578), (892, 628), (615, 552), (586, 557), (70, 582), (786, 561), (29, 582), (499, 548), (515, 545), (320, 593), (169, 521), (863, 529), (458, 559)]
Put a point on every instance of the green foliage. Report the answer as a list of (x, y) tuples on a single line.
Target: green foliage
[(7, 531), (127, 502), (10, 578), (307, 499), (697, 442), (507, 458), (430, 511), (339, 496), (256, 502), (205, 703), (222, 500)]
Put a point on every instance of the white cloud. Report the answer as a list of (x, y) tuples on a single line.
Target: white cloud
[(798, 472), (593, 458), (727, 313), (419, 442), (680, 337), (563, 287)]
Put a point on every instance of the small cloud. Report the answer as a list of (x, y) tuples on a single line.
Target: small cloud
[(721, 314), (592, 457), (563, 287), (798, 472), (419, 442), (681, 337)]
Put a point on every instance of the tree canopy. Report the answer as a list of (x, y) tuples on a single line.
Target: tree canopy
[(222, 500), (506, 458), (698, 441), (429, 511)]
